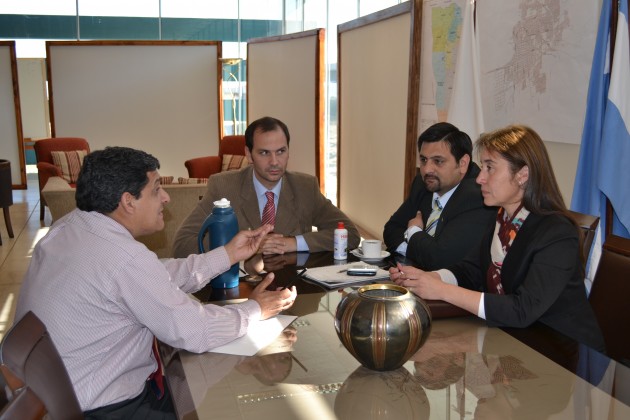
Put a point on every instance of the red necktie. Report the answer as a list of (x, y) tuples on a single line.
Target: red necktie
[(157, 377), (269, 212)]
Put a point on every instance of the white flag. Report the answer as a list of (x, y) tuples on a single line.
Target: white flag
[(465, 109)]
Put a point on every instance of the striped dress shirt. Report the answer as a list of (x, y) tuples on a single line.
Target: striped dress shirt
[(103, 296)]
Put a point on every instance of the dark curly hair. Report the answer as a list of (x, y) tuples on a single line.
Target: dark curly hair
[(107, 174)]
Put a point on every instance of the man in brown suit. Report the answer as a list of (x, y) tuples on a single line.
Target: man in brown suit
[(298, 203)]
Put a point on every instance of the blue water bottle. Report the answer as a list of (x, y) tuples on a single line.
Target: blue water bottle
[(222, 226)]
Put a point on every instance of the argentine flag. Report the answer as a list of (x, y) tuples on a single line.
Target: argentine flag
[(614, 173), (605, 150)]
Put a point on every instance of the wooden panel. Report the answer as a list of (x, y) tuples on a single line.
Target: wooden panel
[(161, 97), (378, 113), (285, 80), (10, 118), (33, 97)]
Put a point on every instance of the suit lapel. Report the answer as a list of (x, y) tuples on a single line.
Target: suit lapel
[(518, 256), (454, 205), (249, 201), (286, 213)]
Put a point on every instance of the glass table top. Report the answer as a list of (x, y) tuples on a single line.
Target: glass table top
[(465, 370)]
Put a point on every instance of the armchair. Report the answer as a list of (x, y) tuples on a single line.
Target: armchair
[(45, 166), (203, 167)]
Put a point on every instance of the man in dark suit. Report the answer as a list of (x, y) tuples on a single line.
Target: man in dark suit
[(297, 206), (447, 176)]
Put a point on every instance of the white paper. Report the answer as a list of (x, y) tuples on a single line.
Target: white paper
[(259, 335), (339, 273)]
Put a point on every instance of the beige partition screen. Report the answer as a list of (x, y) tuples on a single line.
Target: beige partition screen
[(285, 80), (11, 141), (161, 97), (33, 98), (378, 112)]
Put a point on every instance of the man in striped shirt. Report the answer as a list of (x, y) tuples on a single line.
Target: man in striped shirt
[(104, 296)]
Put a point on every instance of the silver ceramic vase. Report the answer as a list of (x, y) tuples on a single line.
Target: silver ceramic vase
[(382, 325)]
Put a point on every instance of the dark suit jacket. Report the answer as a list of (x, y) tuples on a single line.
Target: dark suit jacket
[(300, 207), (460, 228), (542, 278)]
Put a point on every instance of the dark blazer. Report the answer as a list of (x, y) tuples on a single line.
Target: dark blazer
[(460, 228), (542, 277), (301, 206)]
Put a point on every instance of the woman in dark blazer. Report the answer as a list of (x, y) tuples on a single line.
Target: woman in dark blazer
[(528, 267)]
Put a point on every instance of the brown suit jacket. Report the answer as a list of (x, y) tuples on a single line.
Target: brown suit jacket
[(301, 206)]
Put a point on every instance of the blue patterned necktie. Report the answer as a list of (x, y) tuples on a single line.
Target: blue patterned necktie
[(434, 217)]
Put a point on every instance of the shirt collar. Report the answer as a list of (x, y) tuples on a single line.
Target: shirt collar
[(445, 197), (261, 189)]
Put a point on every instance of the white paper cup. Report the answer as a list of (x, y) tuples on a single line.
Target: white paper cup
[(371, 248)]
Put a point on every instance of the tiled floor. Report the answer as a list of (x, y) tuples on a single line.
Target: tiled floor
[(15, 253)]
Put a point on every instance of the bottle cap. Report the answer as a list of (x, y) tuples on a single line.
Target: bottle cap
[(340, 225), (222, 203)]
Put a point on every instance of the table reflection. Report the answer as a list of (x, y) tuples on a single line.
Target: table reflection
[(465, 370), (367, 394)]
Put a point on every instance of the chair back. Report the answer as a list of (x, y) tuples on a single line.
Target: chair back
[(588, 224), (610, 296), (25, 405), (45, 166), (58, 144), (30, 359), (203, 167), (232, 145)]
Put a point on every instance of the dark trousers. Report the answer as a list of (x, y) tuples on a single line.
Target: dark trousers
[(144, 406)]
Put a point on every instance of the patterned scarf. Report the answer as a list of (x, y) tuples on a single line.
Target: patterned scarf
[(504, 233)]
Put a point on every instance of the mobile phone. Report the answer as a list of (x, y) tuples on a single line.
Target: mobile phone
[(361, 271)]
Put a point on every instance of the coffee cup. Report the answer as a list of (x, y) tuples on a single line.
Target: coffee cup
[(371, 248)]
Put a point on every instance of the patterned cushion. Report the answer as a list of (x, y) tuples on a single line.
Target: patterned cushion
[(192, 180), (165, 180), (233, 162), (69, 163)]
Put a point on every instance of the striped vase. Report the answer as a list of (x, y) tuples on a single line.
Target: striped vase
[(382, 325)]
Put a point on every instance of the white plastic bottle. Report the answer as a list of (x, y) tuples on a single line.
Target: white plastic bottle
[(341, 242)]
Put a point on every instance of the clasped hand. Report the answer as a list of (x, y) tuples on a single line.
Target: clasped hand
[(416, 221), (276, 243)]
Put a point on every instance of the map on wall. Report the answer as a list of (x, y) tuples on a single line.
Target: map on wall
[(441, 25), (535, 63)]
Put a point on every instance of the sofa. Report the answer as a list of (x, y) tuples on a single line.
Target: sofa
[(60, 199)]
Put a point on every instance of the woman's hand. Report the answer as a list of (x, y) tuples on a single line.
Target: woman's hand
[(426, 284)]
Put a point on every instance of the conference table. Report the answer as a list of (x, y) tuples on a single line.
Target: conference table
[(465, 370)]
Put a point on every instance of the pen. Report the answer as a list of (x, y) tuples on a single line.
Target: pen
[(289, 284)]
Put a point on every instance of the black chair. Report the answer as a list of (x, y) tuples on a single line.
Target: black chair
[(610, 295), (588, 224), (29, 359), (6, 194)]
